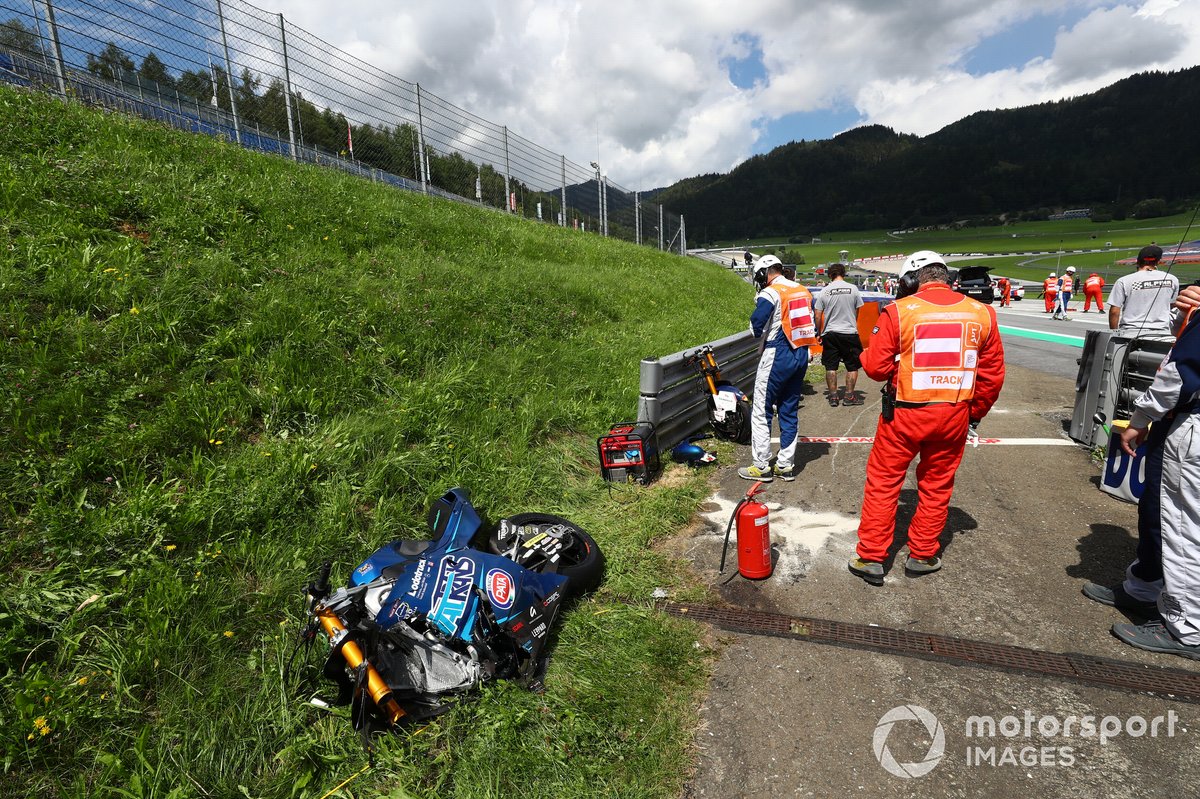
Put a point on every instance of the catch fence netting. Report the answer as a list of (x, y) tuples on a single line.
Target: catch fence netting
[(227, 68)]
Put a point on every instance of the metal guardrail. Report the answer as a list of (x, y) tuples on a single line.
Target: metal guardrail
[(674, 398), (1113, 371)]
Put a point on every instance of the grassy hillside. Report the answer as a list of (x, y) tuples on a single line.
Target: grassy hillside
[(220, 369)]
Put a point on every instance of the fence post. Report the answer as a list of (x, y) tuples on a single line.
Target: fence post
[(604, 204), (660, 226), (237, 132), (508, 205), (563, 220), (637, 218), (421, 143), (287, 88), (59, 71), (682, 236)]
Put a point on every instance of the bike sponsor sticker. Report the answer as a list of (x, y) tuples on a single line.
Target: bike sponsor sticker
[(417, 585), (451, 592), (501, 589)]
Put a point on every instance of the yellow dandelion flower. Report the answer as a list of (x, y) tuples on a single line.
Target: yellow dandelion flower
[(109, 270), (310, 468), (41, 725), (104, 696), (325, 239), (212, 441), (228, 633), (170, 547), (266, 454), (218, 442), (29, 737), (82, 681), (133, 310)]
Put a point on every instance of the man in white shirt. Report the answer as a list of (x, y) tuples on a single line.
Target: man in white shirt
[(1140, 303)]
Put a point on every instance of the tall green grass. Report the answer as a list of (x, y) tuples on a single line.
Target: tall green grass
[(220, 369)]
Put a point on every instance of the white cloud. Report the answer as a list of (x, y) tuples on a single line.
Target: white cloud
[(650, 80)]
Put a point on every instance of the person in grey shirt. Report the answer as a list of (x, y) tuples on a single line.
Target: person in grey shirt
[(1140, 303), (837, 323)]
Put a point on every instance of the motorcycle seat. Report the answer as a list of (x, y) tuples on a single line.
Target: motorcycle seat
[(410, 548)]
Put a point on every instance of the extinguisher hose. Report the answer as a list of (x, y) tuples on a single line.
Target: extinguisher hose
[(728, 528)]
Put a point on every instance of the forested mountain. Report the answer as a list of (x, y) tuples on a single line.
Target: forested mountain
[(1130, 142)]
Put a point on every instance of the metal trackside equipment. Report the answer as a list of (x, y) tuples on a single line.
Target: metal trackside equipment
[(629, 451), (679, 405), (1113, 371)]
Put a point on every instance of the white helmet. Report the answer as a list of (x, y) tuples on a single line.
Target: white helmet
[(1070, 269), (919, 259), (758, 272), (1053, 274), (908, 272)]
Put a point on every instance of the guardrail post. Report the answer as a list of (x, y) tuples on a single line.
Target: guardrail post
[(563, 220), (661, 229), (650, 385)]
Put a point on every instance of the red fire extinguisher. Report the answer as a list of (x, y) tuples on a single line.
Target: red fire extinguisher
[(753, 536)]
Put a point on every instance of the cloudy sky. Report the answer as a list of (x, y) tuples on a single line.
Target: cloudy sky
[(659, 90)]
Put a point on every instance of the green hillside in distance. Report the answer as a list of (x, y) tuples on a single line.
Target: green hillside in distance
[(1110, 150)]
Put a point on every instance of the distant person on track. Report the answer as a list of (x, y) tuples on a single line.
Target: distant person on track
[(783, 319), (1093, 288), (1050, 291), (1063, 297), (889, 285), (941, 357), (1004, 287), (1140, 303), (837, 323)]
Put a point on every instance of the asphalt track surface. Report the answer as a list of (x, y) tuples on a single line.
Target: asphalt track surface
[(1027, 527)]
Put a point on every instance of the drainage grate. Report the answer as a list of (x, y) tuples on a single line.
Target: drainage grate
[(1086, 669)]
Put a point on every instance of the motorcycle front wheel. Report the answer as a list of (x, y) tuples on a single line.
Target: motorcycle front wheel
[(736, 426), (579, 557)]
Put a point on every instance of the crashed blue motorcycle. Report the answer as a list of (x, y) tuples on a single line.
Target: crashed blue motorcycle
[(421, 621)]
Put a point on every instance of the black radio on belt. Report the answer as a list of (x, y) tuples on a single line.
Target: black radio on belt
[(888, 410)]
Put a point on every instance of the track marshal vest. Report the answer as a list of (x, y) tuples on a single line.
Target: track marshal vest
[(796, 315), (939, 349)]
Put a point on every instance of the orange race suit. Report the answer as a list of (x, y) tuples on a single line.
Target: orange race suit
[(942, 352), (1092, 287), (1050, 290)]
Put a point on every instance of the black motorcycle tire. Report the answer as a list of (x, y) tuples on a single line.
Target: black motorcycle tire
[(736, 426), (582, 562)]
